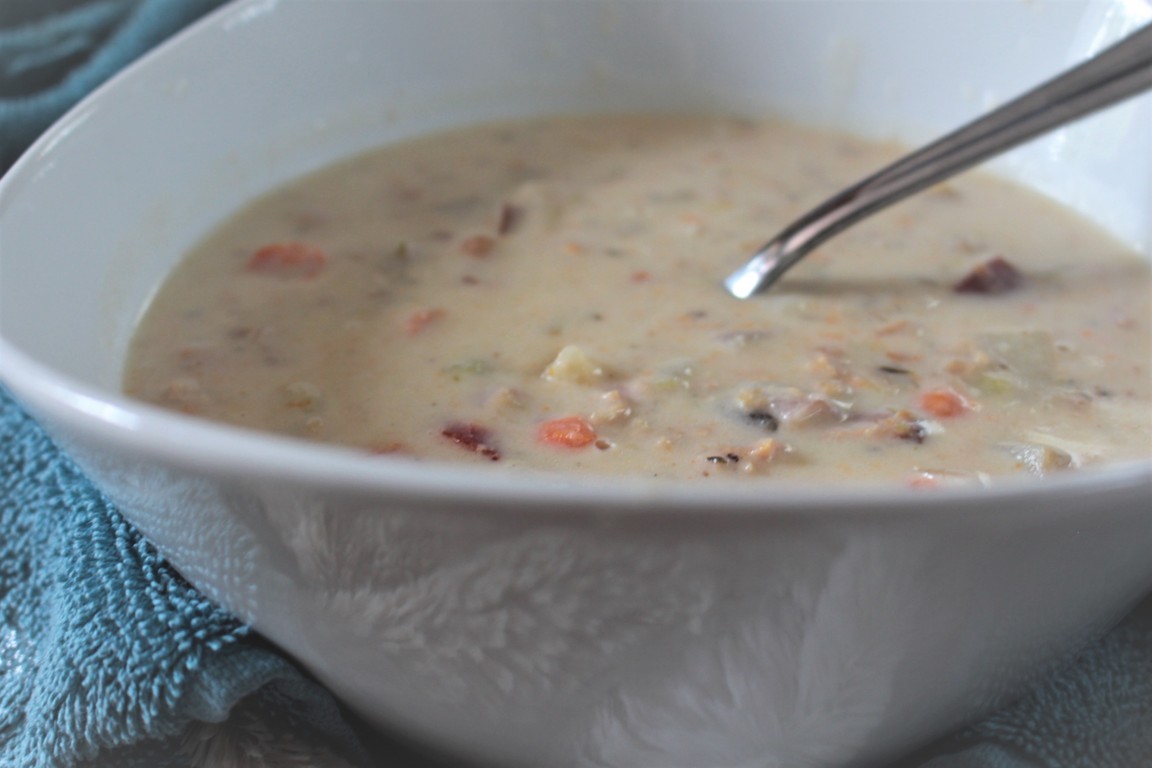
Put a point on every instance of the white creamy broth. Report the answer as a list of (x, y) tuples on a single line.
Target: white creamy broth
[(547, 294)]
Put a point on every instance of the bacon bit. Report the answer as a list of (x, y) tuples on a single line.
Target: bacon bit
[(943, 403), (574, 248), (570, 432), (478, 246), (640, 276), (417, 322), (510, 218), (473, 437), (994, 276), (289, 259)]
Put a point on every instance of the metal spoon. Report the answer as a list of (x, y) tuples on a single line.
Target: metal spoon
[(1117, 73)]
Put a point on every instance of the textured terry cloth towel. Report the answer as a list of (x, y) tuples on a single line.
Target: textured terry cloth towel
[(109, 658)]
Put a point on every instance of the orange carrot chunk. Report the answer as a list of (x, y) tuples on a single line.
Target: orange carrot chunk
[(289, 259), (569, 432), (943, 403), (478, 245)]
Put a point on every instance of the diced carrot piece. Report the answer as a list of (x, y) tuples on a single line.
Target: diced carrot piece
[(478, 245), (943, 403), (290, 259), (417, 322), (570, 432)]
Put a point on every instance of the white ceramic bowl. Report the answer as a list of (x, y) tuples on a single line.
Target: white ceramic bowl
[(537, 621)]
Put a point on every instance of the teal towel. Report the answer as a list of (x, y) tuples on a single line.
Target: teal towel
[(107, 655), (1096, 712), (50, 62), (109, 658)]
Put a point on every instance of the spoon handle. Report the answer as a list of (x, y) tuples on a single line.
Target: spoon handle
[(1117, 73)]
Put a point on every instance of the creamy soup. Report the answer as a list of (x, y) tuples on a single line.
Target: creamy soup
[(547, 294)]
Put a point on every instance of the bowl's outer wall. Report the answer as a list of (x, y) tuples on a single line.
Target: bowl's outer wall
[(590, 635)]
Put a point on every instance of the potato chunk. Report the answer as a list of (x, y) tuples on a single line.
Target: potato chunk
[(575, 366)]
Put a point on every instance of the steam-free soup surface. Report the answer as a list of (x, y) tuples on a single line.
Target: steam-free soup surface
[(547, 294)]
